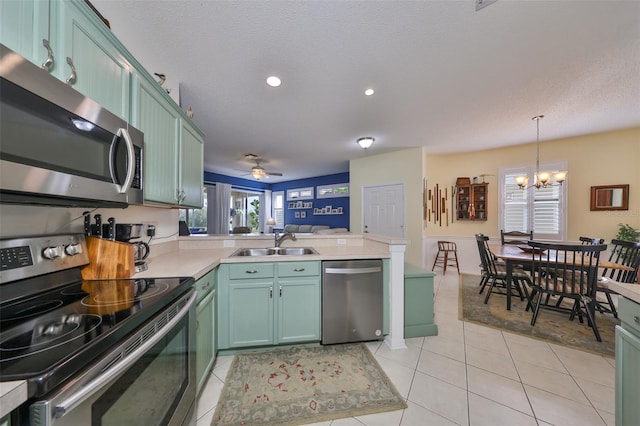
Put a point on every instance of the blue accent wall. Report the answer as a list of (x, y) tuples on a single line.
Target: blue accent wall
[(332, 220)]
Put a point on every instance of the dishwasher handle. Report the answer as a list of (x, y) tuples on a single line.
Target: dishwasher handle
[(351, 271)]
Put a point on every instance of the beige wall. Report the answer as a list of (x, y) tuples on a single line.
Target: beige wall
[(405, 167), (598, 159)]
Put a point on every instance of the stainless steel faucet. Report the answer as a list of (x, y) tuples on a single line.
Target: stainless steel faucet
[(279, 239)]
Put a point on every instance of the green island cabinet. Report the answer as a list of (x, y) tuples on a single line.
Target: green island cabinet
[(83, 51), (628, 363), (418, 302), (205, 326), (268, 303)]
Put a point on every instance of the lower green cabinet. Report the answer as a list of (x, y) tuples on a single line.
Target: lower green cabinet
[(205, 326), (418, 302), (263, 304), (628, 363)]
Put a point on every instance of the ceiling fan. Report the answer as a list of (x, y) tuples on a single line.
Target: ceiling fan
[(258, 172)]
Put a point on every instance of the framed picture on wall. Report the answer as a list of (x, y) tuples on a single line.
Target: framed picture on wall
[(297, 215), (303, 215)]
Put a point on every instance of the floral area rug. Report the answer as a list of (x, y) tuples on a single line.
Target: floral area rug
[(551, 326), (304, 385)]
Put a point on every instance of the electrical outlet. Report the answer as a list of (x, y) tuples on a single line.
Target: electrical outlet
[(342, 241), (151, 230)]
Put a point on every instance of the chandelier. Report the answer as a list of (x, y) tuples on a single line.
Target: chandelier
[(542, 179)]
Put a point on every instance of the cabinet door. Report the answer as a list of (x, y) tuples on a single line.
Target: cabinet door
[(205, 338), (160, 122), (250, 313), (627, 378), (101, 71), (23, 26), (298, 310), (191, 166)]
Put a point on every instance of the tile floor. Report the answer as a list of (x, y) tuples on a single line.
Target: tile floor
[(474, 375)]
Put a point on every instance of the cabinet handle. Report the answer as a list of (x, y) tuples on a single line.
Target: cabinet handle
[(46, 65), (72, 78), (270, 292), (180, 195), (280, 291), (253, 271), (298, 270)]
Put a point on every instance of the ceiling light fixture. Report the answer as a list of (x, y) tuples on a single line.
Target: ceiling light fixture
[(257, 172), (273, 81), (542, 179), (369, 92), (366, 142)]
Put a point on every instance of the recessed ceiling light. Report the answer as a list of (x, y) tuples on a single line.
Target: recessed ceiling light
[(273, 81), (369, 92)]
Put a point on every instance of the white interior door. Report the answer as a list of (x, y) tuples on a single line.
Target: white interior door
[(383, 210)]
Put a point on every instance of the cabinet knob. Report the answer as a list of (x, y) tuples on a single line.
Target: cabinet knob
[(46, 65), (636, 319)]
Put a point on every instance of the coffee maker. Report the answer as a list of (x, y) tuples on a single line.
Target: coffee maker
[(126, 233)]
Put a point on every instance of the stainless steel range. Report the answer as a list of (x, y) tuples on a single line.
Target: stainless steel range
[(93, 352)]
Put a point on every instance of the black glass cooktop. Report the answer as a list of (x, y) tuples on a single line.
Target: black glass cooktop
[(47, 337)]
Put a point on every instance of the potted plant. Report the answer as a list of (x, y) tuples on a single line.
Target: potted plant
[(627, 232)]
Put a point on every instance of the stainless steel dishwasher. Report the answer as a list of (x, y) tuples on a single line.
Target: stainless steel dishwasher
[(352, 307)]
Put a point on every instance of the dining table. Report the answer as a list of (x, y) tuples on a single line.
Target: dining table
[(516, 255)]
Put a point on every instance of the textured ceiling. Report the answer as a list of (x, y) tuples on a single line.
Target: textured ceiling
[(446, 77)]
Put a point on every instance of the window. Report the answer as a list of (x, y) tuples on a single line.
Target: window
[(543, 210), (277, 205), (196, 219), (245, 210)]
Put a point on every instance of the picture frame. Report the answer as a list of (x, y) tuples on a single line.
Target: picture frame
[(610, 197), (297, 215)]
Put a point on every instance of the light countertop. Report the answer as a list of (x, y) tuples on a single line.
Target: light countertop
[(630, 291)]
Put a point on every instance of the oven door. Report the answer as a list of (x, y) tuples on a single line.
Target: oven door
[(148, 379)]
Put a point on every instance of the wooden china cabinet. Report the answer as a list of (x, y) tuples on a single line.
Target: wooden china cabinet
[(471, 201)]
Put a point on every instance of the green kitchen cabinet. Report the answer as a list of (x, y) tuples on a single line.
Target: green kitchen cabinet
[(191, 169), (73, 44), (89, 57), (173, 147), (205, 326), (264, 304), (628, 363), (155, 115), (418, 302), (24, 24)]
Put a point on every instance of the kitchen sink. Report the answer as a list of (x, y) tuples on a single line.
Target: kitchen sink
[(274, 251)]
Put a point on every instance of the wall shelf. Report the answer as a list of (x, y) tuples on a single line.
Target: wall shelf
[(471, 202)]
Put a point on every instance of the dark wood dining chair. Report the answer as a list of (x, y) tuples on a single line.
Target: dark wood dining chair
[(625, 253), (588, 241), (495, 274), (565, 271), (515, 237)]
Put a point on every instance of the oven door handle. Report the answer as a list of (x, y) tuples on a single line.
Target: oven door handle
[(115, 370)]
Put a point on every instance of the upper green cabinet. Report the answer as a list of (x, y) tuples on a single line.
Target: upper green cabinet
[(191, 166), (160, 122), (88, 58), (23, 26), (74, 45)]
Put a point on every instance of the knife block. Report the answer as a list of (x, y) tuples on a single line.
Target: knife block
[(108, 260)]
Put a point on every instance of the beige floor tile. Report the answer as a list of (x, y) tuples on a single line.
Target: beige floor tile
[(491, 361), (601, 397), (349, 421), (221, 366), (374, 346), (205, 420), (499, 389), (416, 415), (415, 342), (541, 355), (400, 375), (407, 356), (556, 410), (381, 419), (586, 365), (451, 330), (441, 345), (558, 383), (440, 397), (485, 338), (444, 368), (209, 396), (484, 412), (609, 419)]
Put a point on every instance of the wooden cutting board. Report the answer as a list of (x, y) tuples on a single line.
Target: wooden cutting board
[(108, 260)]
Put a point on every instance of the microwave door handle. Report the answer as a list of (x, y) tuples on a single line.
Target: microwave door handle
[(131, 161)]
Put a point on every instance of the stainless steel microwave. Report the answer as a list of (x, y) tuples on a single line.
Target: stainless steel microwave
[(58, 147)]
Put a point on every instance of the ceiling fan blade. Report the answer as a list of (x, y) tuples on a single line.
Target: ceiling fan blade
[(273, 173)]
